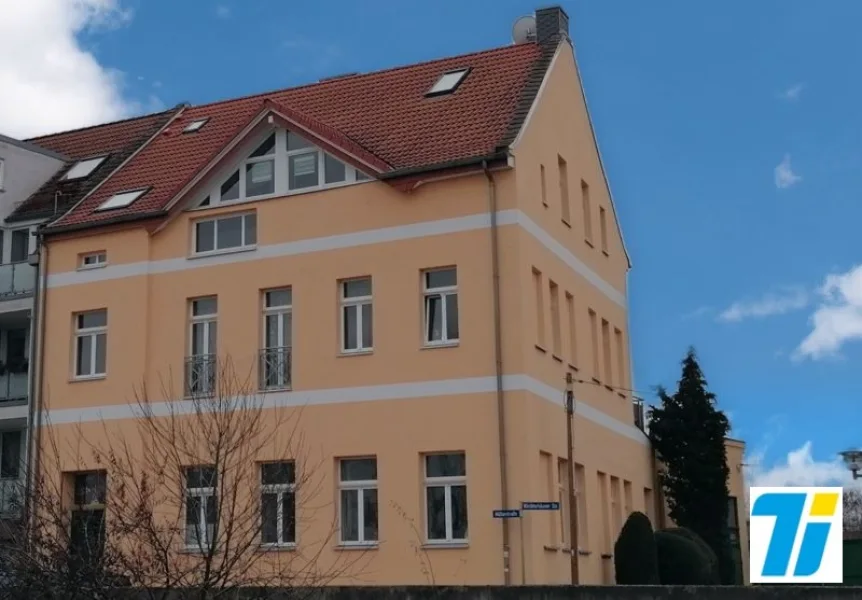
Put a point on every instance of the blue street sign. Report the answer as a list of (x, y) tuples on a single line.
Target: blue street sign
[(507, 514), (540, 506)]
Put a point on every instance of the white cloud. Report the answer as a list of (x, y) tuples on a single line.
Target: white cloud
[(784, 175), (223, 12), (49, 81), (838, 317), (792, 93), (788, 300), (798, 468)]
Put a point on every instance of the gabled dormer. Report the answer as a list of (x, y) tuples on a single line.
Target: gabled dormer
[(282, 163)]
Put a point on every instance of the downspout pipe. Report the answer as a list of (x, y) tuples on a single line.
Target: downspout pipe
[(37, 357), (498, 365)]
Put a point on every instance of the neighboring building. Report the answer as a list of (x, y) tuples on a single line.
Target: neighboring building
[(24, 167), (737, 513), (418, 256), (40, 179)]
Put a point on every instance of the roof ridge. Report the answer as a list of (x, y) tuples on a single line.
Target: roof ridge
[(34, 140), (358, 75)]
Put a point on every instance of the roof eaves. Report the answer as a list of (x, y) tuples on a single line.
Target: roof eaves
[(451, 164), (31, 147), (177, 112), (50, 230)]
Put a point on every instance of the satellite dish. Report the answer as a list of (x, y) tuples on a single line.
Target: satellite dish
[(524, 30)]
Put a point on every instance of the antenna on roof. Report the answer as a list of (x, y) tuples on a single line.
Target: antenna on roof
[(524, 30)]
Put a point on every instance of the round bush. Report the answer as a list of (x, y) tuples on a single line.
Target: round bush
[(705, 549), (635, 557), (680, 560)]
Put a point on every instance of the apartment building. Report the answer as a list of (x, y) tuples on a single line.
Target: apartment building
[(415, 258), (41, 179)]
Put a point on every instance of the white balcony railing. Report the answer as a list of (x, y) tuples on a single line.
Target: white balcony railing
[(17, 279), (13, 386)]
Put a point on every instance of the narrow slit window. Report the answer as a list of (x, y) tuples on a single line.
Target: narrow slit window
[(448, 82)]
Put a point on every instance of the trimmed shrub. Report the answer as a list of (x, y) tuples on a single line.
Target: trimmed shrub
[(635, 556), (707, 552), (680, 560)]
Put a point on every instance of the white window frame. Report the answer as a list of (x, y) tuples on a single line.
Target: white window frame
[(196, 125), (100, 260), (2, 173), (281, 173), (214, 220), (359, 487), (443, 292), (446, 483), (122, 199), (205, 494), (448, 82), (97, 162), (280, 312), (94, 333), (206, 320), (355, 303), (279, 489)]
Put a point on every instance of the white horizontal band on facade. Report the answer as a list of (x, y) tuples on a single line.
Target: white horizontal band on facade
[(347, 240), (396, 391)]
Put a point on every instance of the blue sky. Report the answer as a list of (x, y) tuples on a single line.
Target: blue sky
[(729, 130)]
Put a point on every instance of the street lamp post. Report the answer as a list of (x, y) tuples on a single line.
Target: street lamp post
[(573, 507), (853, 460)]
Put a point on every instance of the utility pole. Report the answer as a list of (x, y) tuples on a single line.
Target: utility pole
[(573, 505)]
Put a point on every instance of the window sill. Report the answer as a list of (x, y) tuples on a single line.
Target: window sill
[(621, 395), (581, 551), (347, 547), (566, 223), (551, 548), (540, 348), (557, 357), (276, 548), (589, 243), (609, 388), (83, 378), (92, 267), (222, 252), (607, 556), (448, 344), (573, 367), (360, 352), (284, 388), (605, 252), (545, 204), (445, 545), (596, 380), (194, 550)]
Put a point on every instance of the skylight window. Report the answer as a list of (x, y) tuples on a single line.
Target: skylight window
[(195, 125), (121, 200), (84, 168), (448, 82)]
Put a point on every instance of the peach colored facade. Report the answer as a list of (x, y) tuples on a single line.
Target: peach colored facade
[(561, 283)]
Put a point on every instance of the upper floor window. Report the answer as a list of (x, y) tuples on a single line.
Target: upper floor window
[(92, 260), (441, 306), (282, 163), (200, 376), (91, 341), (84, 168), (356, 315), (225, 233), (277, 334), (19, 249)]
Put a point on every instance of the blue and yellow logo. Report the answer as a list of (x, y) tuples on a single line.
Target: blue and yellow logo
[(796, 535)]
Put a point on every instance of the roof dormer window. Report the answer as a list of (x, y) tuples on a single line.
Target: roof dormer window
[(448, 82), (84, 168), (121, 200), (195, 125)]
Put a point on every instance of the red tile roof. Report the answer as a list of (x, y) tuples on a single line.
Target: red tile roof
[(117, 140), (384, 115)]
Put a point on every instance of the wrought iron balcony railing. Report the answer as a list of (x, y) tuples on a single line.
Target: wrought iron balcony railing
[(200, 375), (274, 368)]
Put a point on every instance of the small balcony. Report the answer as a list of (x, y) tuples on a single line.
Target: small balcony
[(17, 279), (200, 375), (274, 368), (13, 386), (639, 413)]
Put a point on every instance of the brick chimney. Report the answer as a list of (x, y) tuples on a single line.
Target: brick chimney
[(551, 25)]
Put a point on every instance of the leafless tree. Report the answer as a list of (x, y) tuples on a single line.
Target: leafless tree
[(852, 513), (214, 492)]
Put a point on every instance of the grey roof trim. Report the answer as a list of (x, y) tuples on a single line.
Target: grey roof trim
[(32, 148)]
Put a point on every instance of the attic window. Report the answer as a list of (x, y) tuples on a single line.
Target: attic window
[(448, 82), (84, 168), (121, 200), (195, 125)]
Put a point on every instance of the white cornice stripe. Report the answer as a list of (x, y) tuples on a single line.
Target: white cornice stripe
[(397, 391), (348, 240)]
